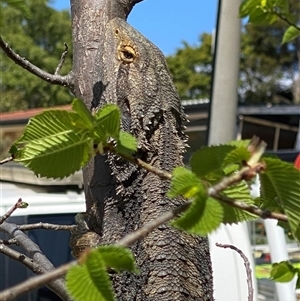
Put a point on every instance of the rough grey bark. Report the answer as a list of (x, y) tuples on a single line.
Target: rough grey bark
[(113, 63)]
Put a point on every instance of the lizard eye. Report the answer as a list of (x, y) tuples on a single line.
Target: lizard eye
[(126, 54)]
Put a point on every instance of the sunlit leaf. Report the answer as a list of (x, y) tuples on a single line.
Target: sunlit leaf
[(280, 189), (85, 120), (107, 122), (118, 258), (206, 162), (52, 147), (290, 34), (126, 143), (202, 217), (239, 192), (282, 272), (80, 281), (185, 183)]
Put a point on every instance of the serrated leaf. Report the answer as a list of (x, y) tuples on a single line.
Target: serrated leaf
[(107, 123), (207, 162), (81, 284), (282, 272), (97, 271), (280, 188), (118, 258), (184, 182), (85, 119), (53, 147), (202, 217), (126, 143), (290, 34), (239, 192)]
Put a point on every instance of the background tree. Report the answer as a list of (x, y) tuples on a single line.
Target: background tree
[(191, 68), (39, 38), (268, 68)]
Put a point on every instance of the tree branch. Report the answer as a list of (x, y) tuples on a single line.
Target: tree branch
[(55, 79), (62, 60), (6, 160), (285, 19), (247, 266), (18, 204), (250, 208), (22, 258), (37, 255), (45, 226), (35, 282)]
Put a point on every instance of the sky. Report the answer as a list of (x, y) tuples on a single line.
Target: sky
[(167, 23)]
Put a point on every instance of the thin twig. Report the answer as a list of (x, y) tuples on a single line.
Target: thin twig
[(6, 160), (62, 59), (56, 79), (250, 208), (34, 252), (286, 20), (142, 232), (22, 258), (18, 204), (247, 266), (45, 226), (35, 282), (11, 241)]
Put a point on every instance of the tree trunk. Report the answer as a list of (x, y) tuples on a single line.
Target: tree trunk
[(113, 63)]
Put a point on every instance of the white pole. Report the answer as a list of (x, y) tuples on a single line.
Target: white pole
[(278, 251)]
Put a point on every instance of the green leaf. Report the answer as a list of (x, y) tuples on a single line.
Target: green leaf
[(206, 163), (234, 159), (262, 17), (280, 189), (185, 183), (85, 119), (290, 34), (247, 7), (298, 280), (126, 143), (53, 147), (90, 281), (107, 123), (282, 272), (118, 258), (13, 150), (202, 217), (239, 192)]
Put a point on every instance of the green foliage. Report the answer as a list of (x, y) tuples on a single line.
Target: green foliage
[(40, 39), (285, 272), (267, 67), (290, 34), (185, 183), (280, 191), (210, 165), (19, 5), (202, 217), (268, 12), (57, 143), (191, 69), (90, 281)]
